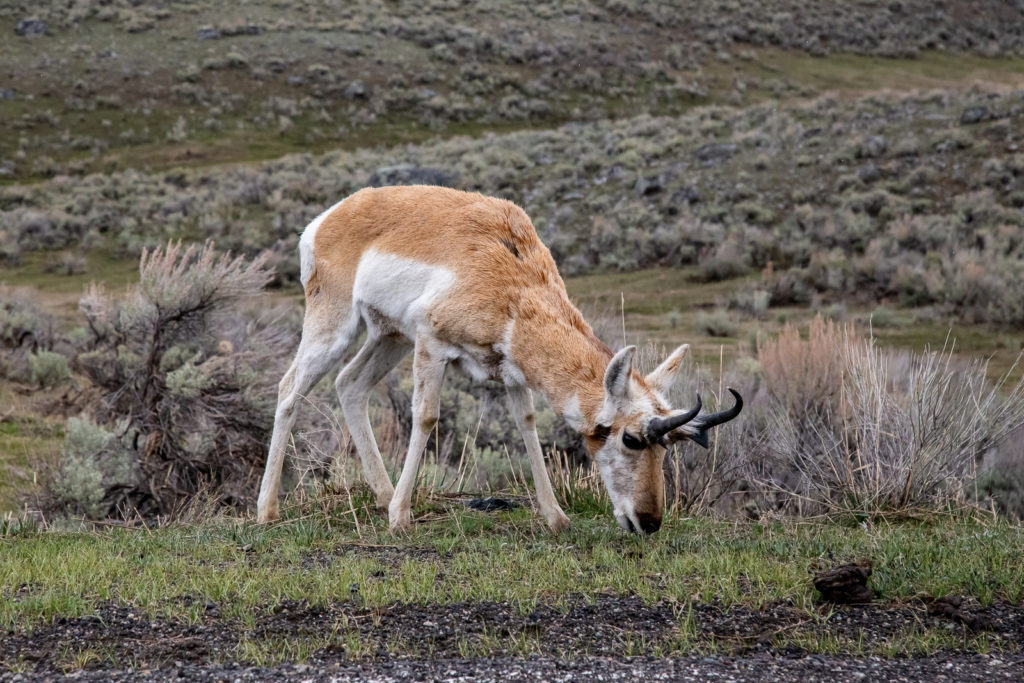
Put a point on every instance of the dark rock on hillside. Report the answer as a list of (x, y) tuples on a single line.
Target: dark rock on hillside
[(973, 115), (407, 174), (716, 151), (31, 28), (869, 173), (645, 187), (6, 94), (208, 33), (355, 90)]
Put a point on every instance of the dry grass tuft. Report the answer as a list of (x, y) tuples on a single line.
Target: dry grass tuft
[(863, 430)]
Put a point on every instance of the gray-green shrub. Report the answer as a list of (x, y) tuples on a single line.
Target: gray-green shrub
[(48, 368), (186, 379), (856, 429)]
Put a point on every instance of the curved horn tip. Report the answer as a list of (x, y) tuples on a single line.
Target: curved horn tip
[(721, 416), (736, 395)]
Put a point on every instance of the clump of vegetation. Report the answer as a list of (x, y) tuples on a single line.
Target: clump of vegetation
[(716, 324), (26, 330), (48, 368), (185, 389), (856, 429)]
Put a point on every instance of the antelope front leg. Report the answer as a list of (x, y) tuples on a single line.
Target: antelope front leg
[(520, 401), (428, 373)]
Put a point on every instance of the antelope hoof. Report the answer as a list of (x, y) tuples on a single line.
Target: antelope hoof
[(384, 500), (399, 521), (267, 514), (558, 522)]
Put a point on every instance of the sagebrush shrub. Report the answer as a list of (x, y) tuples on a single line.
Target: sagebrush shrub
[(858, 429), (48, 368), (92, 464), (186, 376), (26, 331), (716, 324)]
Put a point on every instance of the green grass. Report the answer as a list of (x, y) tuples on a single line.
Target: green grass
[(860, 73), (59, 293), (23, 440), (460, 555)]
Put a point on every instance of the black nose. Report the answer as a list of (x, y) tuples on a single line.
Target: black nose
[(649, 523)]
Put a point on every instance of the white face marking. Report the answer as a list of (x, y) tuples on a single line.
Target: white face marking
[(306, 244), (400, 289), (618, 480), (619, 465)]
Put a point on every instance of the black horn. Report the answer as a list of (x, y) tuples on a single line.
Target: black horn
[(725, 415), (706, 422), (660, 426)]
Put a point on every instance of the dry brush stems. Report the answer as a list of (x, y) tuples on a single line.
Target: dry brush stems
[(903, 431), (186, 389)]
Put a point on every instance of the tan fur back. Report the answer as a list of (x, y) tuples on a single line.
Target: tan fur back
[(503, 272)]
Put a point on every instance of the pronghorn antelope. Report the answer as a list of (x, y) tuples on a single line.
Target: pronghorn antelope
[(462, 278)]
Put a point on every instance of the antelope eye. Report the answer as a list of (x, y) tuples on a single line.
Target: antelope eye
[(630, 441)]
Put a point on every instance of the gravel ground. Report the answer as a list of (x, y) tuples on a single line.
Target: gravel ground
[(805, 669), (583, 640)]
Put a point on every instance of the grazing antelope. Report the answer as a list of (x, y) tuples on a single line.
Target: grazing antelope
[(462, 278)]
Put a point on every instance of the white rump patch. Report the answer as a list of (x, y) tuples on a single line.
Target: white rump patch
[(400, 289), (306, 263)]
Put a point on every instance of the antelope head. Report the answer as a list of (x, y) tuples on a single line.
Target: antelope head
[(634, 428)]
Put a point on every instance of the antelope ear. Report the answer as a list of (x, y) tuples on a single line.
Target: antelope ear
[(660, 379), (616, 384), (616, 376)]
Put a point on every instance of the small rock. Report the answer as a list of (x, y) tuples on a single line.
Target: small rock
[(30, 28), (355, 90), (716, 151), (208, 33), (869, 173), (407, 174), (6, 94), (492, 504), (973, 115)]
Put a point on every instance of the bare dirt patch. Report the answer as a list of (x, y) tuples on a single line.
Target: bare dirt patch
[(118, 637)]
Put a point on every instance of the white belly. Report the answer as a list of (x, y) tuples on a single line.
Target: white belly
[(393, 294), (394, 291)]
